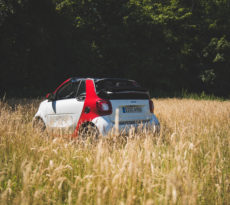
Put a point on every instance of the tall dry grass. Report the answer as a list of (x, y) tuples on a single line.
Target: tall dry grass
[(188, 163)]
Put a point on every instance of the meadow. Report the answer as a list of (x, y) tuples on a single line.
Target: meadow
[(188, 162)]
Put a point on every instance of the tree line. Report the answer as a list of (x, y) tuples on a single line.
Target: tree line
[(166, 45)]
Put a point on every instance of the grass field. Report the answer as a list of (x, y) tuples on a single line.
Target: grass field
[(187, 163)]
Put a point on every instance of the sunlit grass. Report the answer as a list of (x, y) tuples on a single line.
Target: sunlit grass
[(187, 163)]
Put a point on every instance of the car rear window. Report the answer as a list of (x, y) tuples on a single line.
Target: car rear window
[(120, 89)]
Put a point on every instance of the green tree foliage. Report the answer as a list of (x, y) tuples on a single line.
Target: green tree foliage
[(166, 45)]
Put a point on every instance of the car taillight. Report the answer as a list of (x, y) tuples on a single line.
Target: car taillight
[(151, 106), (104, 107)]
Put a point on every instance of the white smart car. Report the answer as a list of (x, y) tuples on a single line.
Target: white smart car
[(80, 103)]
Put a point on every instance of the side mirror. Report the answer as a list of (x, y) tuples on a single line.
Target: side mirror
[(50, 96), (81, 97)]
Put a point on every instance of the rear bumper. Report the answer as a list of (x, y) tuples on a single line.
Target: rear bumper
[(105, 125)]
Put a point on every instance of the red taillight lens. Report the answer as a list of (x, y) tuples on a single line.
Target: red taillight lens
[(151, 106), (104, 107)]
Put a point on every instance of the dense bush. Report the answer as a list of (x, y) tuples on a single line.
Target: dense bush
[(166, 45)]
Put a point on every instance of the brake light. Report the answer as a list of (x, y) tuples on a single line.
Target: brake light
[(104, 107), (151, 106)]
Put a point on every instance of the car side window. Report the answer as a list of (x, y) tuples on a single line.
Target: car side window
[(82, 90), (67, 91)]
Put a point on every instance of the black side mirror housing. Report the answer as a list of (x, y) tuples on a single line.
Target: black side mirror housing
[(50, 96), (81, 97)]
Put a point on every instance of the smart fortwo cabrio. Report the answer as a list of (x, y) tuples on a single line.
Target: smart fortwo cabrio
[(80, 103)]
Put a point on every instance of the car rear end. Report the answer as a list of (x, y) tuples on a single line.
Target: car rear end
[(130, 99)]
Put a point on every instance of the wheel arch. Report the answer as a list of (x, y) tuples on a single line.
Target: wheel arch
[(87, 123), (36, 119)]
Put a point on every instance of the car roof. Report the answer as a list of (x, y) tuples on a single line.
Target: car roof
[(73, 79)]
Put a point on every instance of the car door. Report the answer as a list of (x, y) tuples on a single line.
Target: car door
[(65, 111)]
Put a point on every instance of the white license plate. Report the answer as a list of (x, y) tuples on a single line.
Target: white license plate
[(131, 109)]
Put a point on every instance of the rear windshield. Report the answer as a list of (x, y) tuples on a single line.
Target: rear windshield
[(120, 89)]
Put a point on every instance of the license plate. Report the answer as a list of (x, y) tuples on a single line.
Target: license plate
[(131, 109)]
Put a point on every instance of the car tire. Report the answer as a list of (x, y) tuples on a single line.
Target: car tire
[(88, 130)]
